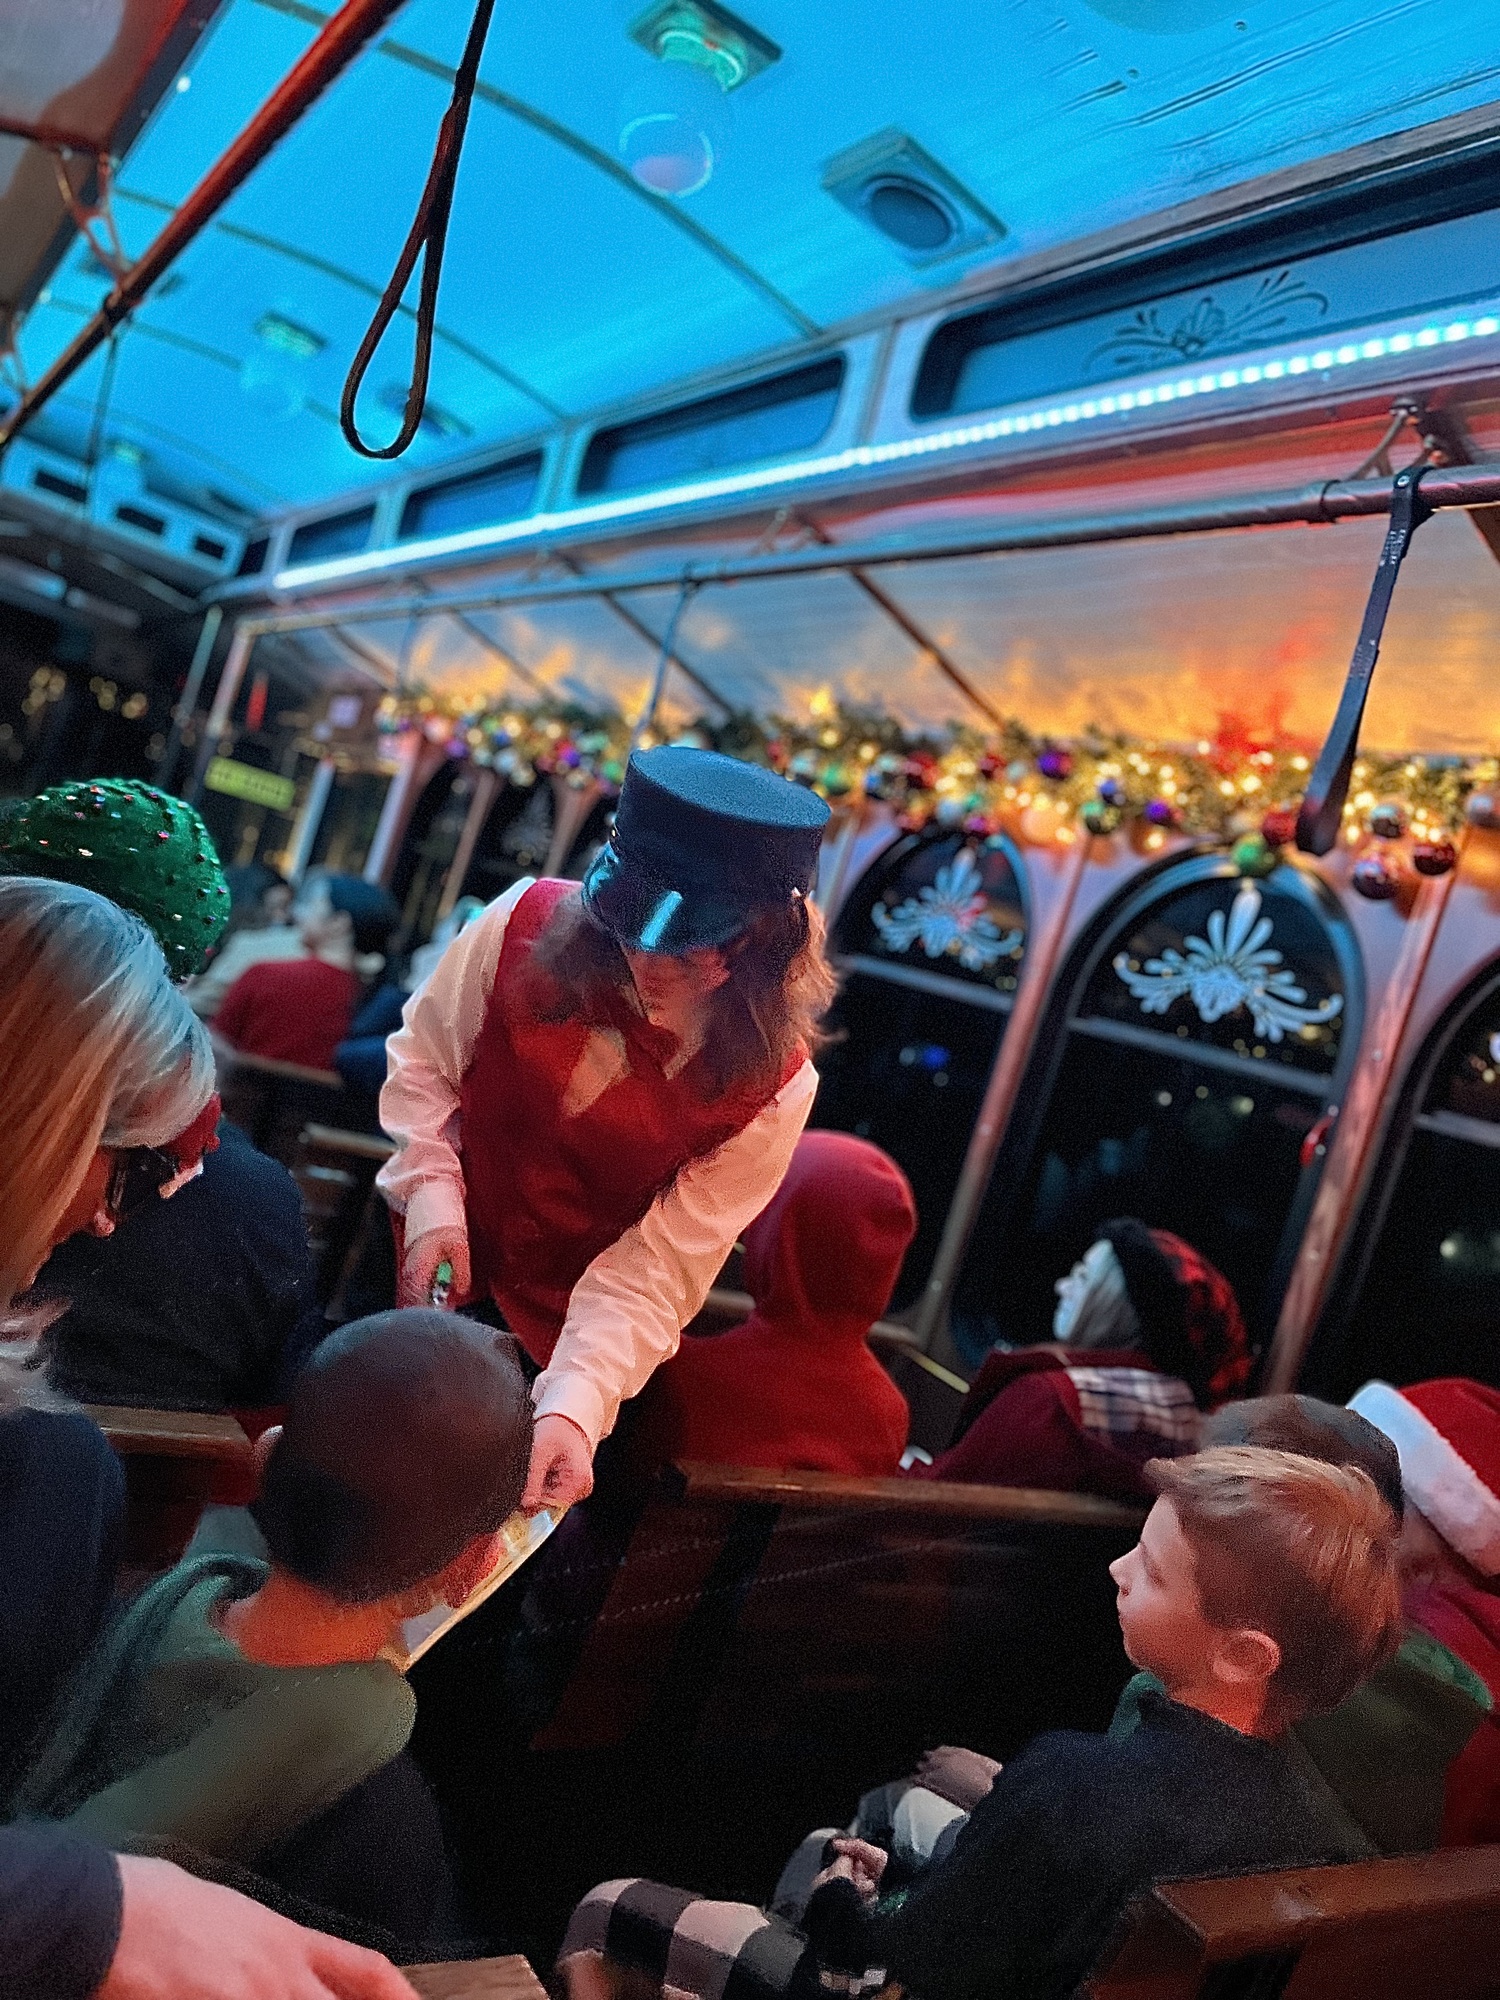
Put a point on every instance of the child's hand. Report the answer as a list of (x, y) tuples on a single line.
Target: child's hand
[(858, 1862), (962, 1777)]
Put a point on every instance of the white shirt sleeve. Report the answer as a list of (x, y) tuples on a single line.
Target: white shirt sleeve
[(627, 1311), (429, 1055)]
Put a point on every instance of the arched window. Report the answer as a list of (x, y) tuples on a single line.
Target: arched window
[(930, 945), (1420, 1295), (1197, 1038), (512, 842)]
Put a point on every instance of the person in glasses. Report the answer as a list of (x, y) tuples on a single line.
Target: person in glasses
[(208, 1301), (599, 1087)]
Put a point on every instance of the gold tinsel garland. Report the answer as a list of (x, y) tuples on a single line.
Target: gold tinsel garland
[(1231, 787)]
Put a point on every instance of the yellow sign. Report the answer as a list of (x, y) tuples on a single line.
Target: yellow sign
[(247, 781)]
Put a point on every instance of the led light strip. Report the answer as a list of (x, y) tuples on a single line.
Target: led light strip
[(766, 478)]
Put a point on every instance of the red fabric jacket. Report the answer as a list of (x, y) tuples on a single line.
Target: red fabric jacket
[(1467, 1620), (1022, 1425), (293, 1010), (796, 1386)]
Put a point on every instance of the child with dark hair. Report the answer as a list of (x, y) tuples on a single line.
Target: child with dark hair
[(299, 1010), (1264, 1587), (237, 1700)]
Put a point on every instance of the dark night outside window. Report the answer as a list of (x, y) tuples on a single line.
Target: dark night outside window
[(927, 990), (1186, 1073), (1428, 1300)]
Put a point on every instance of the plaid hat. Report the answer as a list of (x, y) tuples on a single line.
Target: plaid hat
[(700, 843), (407, 1436), (1190, 1319), (1448, 1435)]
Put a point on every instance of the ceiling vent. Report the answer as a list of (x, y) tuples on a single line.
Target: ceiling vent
[(898, 188)]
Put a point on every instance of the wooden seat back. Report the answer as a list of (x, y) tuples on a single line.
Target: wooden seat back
[(809, 1606), (775, 1643), (271, 1101), (335, 1172), (1423, 1927), (175, 1462)]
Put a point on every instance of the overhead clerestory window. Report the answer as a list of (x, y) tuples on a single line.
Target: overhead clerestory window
[(785, 413)]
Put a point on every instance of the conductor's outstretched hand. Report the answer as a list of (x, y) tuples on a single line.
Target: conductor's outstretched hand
[(419, 1266), (562, 1466)]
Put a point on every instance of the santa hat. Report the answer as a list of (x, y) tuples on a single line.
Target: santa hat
[(1448, 1437)]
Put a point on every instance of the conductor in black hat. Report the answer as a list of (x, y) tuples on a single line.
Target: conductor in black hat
[(597, 1088)]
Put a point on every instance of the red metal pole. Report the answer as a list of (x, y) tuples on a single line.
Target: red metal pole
[(355, 24)]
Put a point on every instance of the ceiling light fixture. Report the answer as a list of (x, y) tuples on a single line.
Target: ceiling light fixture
[(675, 123)]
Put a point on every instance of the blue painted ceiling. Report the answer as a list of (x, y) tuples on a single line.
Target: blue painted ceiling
[(568, 287)]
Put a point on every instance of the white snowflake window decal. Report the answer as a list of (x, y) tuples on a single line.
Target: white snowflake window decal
[(1235, 966), (948, 919)]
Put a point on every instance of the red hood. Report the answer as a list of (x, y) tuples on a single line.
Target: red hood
[(822, 1260)]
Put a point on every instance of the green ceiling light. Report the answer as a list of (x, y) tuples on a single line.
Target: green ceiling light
[(707, 37), (287, 337)]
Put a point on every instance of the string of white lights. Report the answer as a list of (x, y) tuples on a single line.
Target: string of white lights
[(1078, 409)]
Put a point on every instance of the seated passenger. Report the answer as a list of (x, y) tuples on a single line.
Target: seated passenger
[(1263, 1588), (1150, 1335), (264, 926), (1448, 1435), (205, 1302), (1384, 1752), (361, 1059), (236, 1701), (98, 1052), (299, 1010), (796, 1384)]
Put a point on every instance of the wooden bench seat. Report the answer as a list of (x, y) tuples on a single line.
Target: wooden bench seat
[(508, 1978), (1424, 1927)]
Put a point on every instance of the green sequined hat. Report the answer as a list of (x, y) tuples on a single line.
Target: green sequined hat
[(143, 849)]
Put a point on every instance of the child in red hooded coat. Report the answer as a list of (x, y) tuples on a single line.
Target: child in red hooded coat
[(796, 1385)]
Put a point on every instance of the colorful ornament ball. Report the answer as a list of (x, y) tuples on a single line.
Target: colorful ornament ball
[(1387, 822), (1253, 855), (1433, 857), (1374, 876)]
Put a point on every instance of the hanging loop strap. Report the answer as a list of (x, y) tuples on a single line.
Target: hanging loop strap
[(1323, 806), (427, 238)]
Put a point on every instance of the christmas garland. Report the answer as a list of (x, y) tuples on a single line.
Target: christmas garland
[(1235, 788)]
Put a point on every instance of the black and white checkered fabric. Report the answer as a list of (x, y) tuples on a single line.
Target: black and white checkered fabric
[(702, 1950), (1129, 1402)]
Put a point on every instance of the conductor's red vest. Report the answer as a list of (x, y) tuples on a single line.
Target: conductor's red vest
[(546, 1192)]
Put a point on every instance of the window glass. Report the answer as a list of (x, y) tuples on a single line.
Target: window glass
[(1182, 1091), (929, 942), (763, 420), (338, 535), (951, 906), (1248, 967), (1467, 1080), (473, 499)]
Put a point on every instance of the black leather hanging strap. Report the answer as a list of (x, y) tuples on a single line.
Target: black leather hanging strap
[(426, 239), (1323, 805)]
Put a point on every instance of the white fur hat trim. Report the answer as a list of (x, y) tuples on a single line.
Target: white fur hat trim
[(1436, 1478)]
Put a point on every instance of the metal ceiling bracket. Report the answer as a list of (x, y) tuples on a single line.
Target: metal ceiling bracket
[(1322, 809)]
